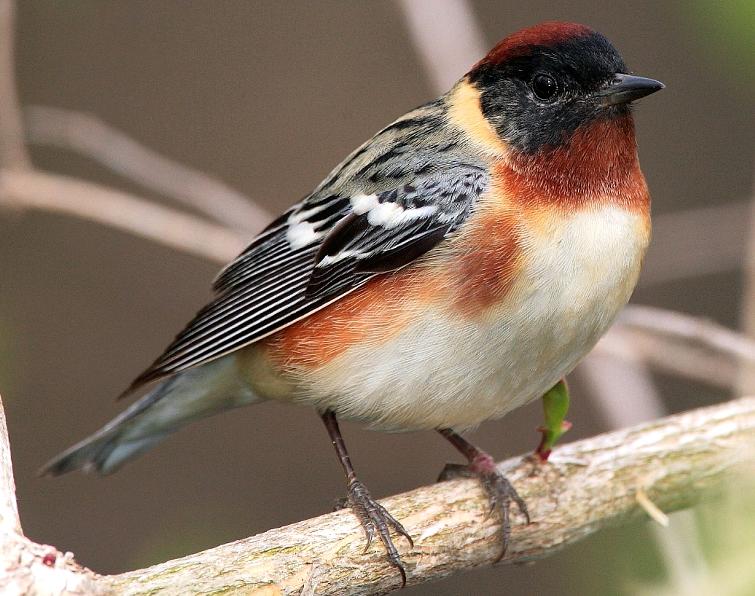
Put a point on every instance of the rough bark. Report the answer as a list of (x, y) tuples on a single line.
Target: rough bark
[(589, 485)]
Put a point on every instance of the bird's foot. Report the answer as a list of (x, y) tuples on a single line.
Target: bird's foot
[(501, 493), (375, 518)]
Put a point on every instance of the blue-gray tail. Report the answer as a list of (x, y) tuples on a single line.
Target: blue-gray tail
[(183, 398)]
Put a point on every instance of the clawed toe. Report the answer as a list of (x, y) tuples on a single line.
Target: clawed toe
[(501, 493), (451, 471), (341, 503), (375, 518)]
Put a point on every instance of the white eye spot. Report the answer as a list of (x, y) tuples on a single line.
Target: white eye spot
[(301, 235)]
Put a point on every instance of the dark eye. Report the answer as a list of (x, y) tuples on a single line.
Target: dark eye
[(544, 86)]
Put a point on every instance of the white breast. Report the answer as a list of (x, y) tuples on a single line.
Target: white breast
[(456, 372)]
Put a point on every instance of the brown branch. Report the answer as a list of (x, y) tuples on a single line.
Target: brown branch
[(694, 331), (668, 355), (671, 342), (677, 253), (447, 41), (8, 509), (21, 186), (676, 343), (62, 194), (746, 376), (12, 150), (112, 148), (590, 485)]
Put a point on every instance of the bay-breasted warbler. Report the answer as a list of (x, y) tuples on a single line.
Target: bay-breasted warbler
[(452, 268)]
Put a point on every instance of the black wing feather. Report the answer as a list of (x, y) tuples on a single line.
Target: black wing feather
[(276, 281), (402, 254)]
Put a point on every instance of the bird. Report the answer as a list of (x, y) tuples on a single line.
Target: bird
[(454, 267)]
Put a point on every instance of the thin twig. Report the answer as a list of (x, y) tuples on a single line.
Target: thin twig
[(746, 376), (692, 330), (652, 509), (676, 343), (12, 150), (9, 520), (112, 148), (121, 210), (625, 393), (448, 39), (698, 241), (665, 354)]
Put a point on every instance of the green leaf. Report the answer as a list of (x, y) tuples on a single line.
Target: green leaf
[(555, 408)]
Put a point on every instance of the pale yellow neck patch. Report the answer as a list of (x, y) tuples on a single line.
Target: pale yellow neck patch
[(465, 112)]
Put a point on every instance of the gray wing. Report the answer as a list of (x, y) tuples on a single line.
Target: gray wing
[(314, 254)]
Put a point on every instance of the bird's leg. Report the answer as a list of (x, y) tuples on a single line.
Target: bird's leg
[(555, 407), (371, 515), (500, 491)]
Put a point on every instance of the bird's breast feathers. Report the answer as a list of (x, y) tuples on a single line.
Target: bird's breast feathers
[(496, 313), (486, 322)]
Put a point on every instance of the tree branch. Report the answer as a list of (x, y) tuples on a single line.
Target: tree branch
[(590, 485), (446, 41), (62, 194), (693, 331), (12, 149), (8, 509), (676, 252), (746, 376), (676, 343), (664, 354), (110, 147), (25, 566)]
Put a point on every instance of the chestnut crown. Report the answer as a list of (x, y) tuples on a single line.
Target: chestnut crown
[(539, 85)]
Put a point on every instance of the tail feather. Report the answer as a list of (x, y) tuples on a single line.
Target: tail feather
[(183, 398), (102, 454)]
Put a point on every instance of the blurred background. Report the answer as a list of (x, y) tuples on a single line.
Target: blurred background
[(268, 96)]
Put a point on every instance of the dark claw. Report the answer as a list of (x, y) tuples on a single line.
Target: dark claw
[(341, 503), (374, 517), (500, 491), (451, 471)]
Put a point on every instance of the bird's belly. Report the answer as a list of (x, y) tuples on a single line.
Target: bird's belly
[(447, 370)]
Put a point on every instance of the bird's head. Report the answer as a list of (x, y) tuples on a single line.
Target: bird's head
[(540, 85)]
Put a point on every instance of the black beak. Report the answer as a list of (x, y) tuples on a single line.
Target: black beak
[(625, 88)]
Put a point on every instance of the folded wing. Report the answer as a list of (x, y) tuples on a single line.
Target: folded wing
[(317, 252)]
